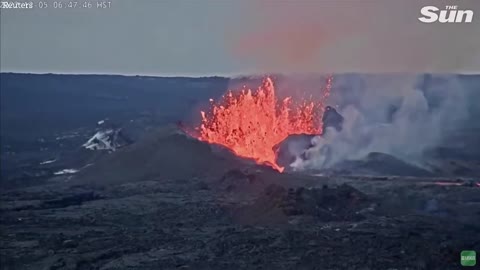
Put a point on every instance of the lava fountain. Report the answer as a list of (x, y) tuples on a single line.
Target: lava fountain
[(252, 123)]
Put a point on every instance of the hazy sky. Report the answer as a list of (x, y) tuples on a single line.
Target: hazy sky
[(225, 37)]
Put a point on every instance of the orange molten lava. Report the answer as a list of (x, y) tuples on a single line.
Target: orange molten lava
[(251, 124)]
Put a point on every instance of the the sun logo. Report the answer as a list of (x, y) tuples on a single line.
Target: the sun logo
[(451, 14)]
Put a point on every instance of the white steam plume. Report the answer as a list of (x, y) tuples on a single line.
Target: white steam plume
[(400, 115)]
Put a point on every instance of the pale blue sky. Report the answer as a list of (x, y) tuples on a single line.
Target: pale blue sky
[(226, 37)]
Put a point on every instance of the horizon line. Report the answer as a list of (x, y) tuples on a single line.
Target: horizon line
[(229, 75)]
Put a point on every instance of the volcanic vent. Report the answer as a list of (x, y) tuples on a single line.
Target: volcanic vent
[(251, 123)]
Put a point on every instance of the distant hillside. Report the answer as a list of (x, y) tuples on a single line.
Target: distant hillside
[(50, 102)]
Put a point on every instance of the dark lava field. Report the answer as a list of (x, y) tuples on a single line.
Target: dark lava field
[(215, 212), (168, 201)]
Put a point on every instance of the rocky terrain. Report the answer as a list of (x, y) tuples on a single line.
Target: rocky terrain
[(76, 193), (230, 214)]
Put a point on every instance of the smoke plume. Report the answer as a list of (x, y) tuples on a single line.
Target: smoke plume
[(400, 115), (354, 36)]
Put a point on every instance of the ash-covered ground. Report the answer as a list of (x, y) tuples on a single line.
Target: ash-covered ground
[(159, 199)]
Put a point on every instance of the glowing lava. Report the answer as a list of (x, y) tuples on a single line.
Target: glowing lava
[(252, 123)]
